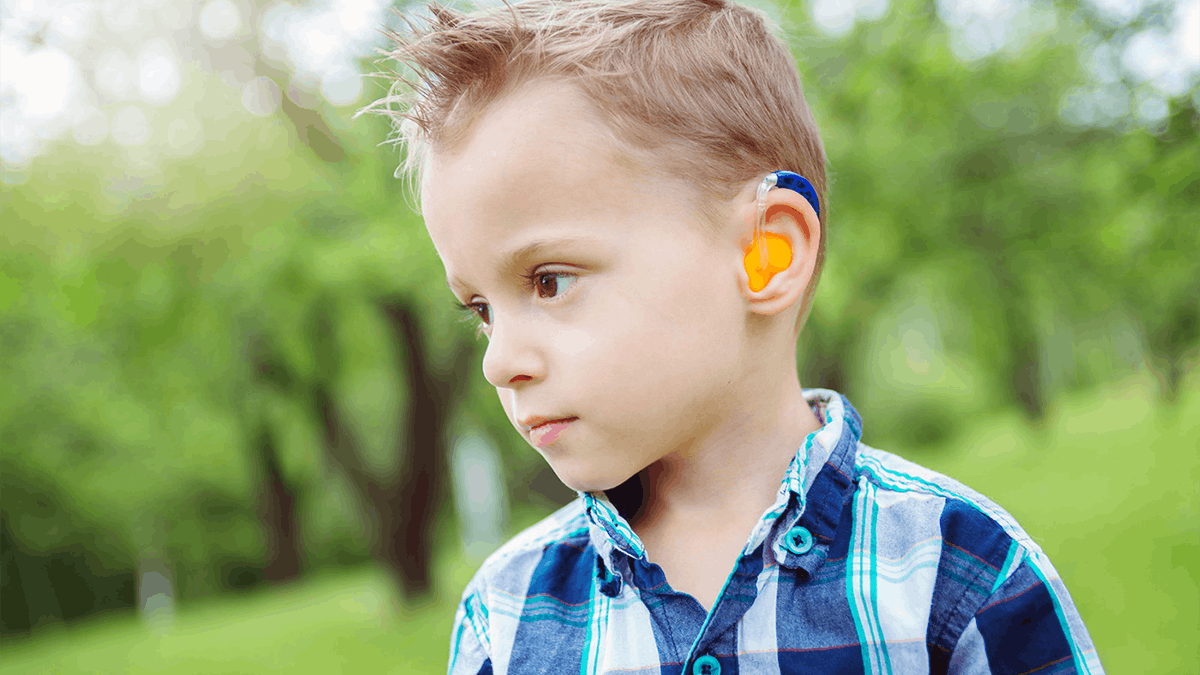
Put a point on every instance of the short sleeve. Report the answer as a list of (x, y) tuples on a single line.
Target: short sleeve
[(469, 644), (1028, 624)]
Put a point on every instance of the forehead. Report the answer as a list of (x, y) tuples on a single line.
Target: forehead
[(539, 165), (543, 132)]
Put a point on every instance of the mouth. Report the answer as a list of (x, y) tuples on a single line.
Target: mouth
[(545, 433)]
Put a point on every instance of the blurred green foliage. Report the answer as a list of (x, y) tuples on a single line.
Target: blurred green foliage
[(161, 315)]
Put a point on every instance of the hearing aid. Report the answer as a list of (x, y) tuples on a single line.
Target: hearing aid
[(771, 253)]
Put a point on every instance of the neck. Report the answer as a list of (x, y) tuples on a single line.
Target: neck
[(731, 476)]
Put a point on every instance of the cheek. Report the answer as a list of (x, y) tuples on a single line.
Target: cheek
[(575, 343)]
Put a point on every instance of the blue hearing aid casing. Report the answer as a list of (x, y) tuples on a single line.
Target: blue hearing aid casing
[(798, 184)]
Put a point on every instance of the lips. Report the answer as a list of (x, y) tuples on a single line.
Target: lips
[(530, 422), (544, 433)]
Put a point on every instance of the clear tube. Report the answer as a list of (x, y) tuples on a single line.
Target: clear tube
[(760, 223)]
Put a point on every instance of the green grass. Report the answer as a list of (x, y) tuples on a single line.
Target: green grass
[(1109, 488), (341, 621)]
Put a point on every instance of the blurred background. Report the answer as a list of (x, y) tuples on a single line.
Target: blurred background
[(242, 431)]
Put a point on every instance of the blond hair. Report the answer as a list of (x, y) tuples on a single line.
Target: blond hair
[(705, 86)]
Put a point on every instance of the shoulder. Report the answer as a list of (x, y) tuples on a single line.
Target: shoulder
[(962, 512), (568, 524), (996, 597), (496, 598), (512, 567)]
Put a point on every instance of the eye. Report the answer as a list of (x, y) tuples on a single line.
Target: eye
[(483, 311), (480, 314), (551, 284)]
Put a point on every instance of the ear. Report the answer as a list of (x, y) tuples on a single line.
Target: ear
[(790, 222)]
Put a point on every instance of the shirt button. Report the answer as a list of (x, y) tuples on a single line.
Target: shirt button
[(798, 540), (706, 665)]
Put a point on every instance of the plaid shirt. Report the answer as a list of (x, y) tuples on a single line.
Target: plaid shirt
[(866, 563)]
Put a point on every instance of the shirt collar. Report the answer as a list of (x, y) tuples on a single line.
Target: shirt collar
[(812, 491)]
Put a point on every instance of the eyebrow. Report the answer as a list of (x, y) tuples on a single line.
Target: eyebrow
[(512, 259)]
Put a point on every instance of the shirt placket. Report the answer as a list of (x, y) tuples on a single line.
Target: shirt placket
[(715, 644)]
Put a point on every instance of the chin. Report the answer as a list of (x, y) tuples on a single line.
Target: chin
[(587, 481)]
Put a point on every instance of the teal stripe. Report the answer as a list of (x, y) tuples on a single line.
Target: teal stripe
[(508, 613), (965, 582), (872, 465), (933, 487), (802, 468), (586, 654), (887, 661), (457, 641), (474, 607), (562, 620), (853, 564), (969, 561), (551, 601), (1081, 663), (1004, 569)]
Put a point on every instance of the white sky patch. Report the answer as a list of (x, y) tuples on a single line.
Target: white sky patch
[(980, 28), (355, 18), (275, 28), (871, 10), (75, 22), (10, 52), (833, 17), (18, 144), (1118, 12), (158, 73), (837, 17), (1187, 32), (1152, 56), (342, 86), (116, 74), (320, 44), (1162, 63), (44, 92), (42, 83), (174, 14), (1150, 108), (138, 48), (220, 20), (1103, 63), (323, 41), (120, 15)]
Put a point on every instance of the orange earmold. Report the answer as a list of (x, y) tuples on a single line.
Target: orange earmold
[(779, 256)]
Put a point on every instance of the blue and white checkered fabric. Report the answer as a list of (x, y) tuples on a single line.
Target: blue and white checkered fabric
[(908, 572)]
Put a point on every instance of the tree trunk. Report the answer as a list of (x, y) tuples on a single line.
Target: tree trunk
[(30, 600), (1024, 361), (1175, 333), (422, 475), (404, 503), (1025, 365), (277, 510), (277, 498)]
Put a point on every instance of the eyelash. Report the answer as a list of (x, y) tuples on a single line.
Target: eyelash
[(530, 284)]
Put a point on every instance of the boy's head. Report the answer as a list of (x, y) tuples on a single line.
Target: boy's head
[(587, 173)]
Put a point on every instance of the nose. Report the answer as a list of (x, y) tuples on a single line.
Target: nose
[(511, 355)]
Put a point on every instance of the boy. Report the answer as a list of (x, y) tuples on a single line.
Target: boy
[(597, 180)]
